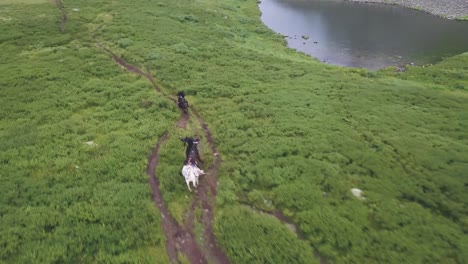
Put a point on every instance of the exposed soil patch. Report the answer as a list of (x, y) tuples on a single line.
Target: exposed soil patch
[(64, 15), (169, 227), (183, 120)]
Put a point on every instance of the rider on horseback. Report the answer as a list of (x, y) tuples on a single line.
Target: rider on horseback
[(190, 170), (191, 153), (182, 102)]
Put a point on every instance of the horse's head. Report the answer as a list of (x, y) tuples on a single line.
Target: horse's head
[(190, 141), (187, 140)]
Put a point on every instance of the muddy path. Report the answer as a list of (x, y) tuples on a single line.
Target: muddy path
[(206, 196), (181, 239), (183, 120), (64, 19)]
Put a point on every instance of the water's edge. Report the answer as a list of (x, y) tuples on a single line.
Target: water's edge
[(449, 9)]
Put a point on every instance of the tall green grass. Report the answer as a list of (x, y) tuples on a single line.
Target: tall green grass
[(294, 134), (61, 199)]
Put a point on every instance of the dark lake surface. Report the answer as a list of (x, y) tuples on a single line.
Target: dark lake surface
[(362, 35)]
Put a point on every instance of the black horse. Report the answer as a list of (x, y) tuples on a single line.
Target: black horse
[(182, 102), (191, 152)]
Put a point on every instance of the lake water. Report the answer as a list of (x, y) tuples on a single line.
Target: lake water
[(362, 35)]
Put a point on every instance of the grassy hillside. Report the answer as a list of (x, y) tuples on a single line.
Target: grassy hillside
[(295, 135)]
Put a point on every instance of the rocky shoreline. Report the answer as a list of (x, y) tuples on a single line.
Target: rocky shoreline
[(451, 9)]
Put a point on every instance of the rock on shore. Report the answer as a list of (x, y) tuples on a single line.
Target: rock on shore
[(452, 9)]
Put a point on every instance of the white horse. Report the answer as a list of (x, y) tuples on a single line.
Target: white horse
[(191, 174)]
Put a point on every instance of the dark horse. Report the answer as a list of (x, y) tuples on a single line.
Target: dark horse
[(181, 102), (191, 153)]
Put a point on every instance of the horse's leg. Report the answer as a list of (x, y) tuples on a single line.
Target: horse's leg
[(188, 185)]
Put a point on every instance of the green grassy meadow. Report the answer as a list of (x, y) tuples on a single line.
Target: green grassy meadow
[(295, 135)]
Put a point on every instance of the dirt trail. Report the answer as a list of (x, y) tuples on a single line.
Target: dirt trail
[(64, 15), (182, 239), (136, 70), (178, 238), (183, 120)]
